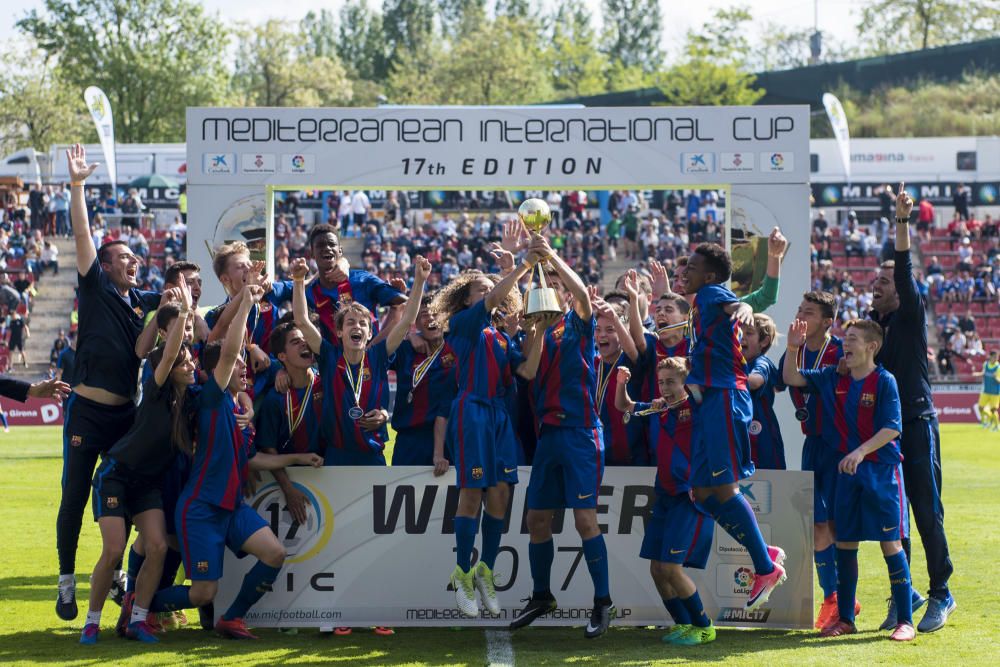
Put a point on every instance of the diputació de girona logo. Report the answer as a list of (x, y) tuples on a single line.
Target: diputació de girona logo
[(302, 541)]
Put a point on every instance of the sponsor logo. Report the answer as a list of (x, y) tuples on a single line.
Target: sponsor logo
[(777, 161), (725, 545), (741, 615), (202, 566), (737, 162), (758, 494), (259, 163), (733, 581), (298, 163), (509, 470), (112, 502), (581, 496), (303, 540), (477, 473), (218, 163), (716, 474), (697, 163)]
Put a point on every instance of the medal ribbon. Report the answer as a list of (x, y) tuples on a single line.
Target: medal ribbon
[(424, 366), (672, 327), (602, 381), (294, 420), (643, 413), (356, 385), (801, 357)]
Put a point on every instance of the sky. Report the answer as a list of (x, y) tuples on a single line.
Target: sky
[(837, 18)]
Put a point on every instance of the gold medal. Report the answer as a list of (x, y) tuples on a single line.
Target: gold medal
[(356, 412), (602, 381)]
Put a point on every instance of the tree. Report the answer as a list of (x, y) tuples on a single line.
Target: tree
[(407, 25), (578, 68), (361, 42), (724, 37), (416, 77), (36, 109), (458, 16), (892, 26), (632, 32), (153, 58), (274, 70), (320, 31), (517, 9)]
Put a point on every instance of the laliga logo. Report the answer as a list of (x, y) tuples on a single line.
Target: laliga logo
[(301, 541), (777, 159), (298, 162), (743, 578)]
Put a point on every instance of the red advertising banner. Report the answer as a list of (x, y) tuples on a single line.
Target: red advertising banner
[(956, 404), (34, 412)]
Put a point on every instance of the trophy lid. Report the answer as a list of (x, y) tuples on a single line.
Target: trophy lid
[(535, 214)]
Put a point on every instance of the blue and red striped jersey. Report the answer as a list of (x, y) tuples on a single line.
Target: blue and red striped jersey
[(565, 387), (855, 410), (766, 446), (431, 396), (716, 356), (624, 444), (343, 432), (361, 286), (828, 355), (484, 356), (274, 420), (655, 352), (670, 439), (221, 457)]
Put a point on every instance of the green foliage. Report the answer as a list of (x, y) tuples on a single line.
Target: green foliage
[(923, 109), (632, 32), (894, 26), (578, 68), (700, 81), (407, 26), (360, 44), (153, 58)]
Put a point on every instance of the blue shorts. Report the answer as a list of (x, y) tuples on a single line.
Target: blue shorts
[(481, 443), (205, 532), (567, 470), (720, 444), (414, 446), (678, 532), (342, 456), (821, 460), (870, 504)]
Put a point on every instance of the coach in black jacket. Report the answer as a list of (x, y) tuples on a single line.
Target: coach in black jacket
[(898, 307), (20, 390)]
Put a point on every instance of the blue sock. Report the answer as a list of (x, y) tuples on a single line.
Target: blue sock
[(826, 570), (712, 506), (737, 518), (899, 583), (677, 611), (596, 554), (172, 599), (171, 562), (847, 582), (257, 582), (3, 418), (135, 561), (696, 610), (540, 558), (466, 528), (492, 530)]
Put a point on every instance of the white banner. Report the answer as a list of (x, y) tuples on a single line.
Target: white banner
[(100, 111), (378, 549), (838, 120)]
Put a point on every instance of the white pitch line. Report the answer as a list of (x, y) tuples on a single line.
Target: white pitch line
[(499, 650)]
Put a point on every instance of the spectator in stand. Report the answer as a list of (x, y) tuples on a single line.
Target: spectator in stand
[(975, 226), (957, 229), (391, 208), (344, 212), (845, 226), (693, 207), (960, 200), (974, 346), (132, 208), (989, 226), (944, 359), (66, 361), (671, 203), (19, 335), (888, 249), (821, 228), (934, 268), (24, 289), (965, 287), (630, 224), (58, 345), (137, 243), (925, 219), (60, 208), (967, 323), (965, 253), (947, 322), (613, 232), (854, 239)]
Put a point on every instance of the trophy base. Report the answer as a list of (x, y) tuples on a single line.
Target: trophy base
[(542, 301)]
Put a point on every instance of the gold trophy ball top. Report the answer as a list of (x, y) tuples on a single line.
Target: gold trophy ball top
[(535, 214)]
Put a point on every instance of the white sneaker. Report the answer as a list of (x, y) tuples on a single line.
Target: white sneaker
[(487, 591), (465, 592)]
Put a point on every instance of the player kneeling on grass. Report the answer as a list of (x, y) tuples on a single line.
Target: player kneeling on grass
[(128, 482), (678, 534), (862, 420), (211, 513)]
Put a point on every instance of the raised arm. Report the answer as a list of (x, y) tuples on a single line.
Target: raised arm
[(904, 207), (500, 291), (622, 401), (175, 336), (636, 331), (233, 342), (571, 281), (535, 334), (226, 317), (660, 279), (79, 170), (421, 271), (790, 369), (314, 339), (902, 273), (603, 309), (777, 244)]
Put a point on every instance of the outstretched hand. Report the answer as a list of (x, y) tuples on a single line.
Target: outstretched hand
[(904, 203), (79, 170), (49, 389)]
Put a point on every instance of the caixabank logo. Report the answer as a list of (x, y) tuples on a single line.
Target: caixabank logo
[(758, 494), (303, 540)]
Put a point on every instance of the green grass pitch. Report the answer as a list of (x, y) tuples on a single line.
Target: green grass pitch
[(30, 632)]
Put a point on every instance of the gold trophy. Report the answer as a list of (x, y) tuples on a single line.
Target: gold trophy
[(541, 300)]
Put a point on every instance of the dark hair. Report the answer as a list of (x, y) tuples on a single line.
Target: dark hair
[(102, 252), (166, 314), (320, 229), (172, 274), (182, 411), (870, 330), (717, 260), (680, 303), (210, 355), (825, 300), (279, 337), (615, 294)]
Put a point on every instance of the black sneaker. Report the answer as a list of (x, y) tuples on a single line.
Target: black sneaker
[(538, 605), (117, 591), (66, 602), (206, 614), (600, 619)]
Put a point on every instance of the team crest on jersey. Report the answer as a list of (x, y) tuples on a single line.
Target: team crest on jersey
[(502, 342), (138, 311), (366, 374), (684, 415), (346, 299), (867, 400), (447, 360), (265, 306), (112, 502), (558, 331), (76, 440), (202, 566), (477, 473)]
